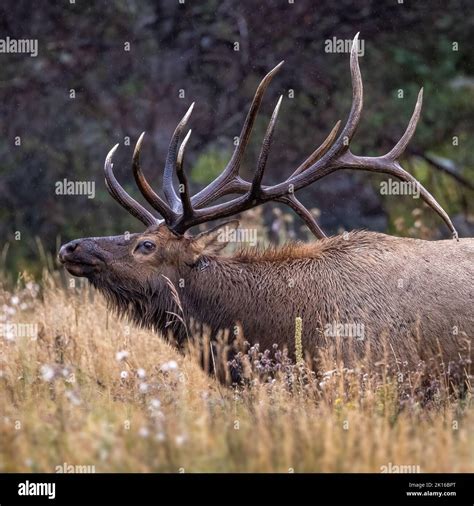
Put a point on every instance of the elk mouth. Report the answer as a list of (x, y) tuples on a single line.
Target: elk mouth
[(78, 261), (80, 269)]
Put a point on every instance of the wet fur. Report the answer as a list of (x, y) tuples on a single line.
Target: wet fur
[(413, 297)]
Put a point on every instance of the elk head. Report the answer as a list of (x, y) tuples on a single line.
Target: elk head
[(130, 266), (138, 258)]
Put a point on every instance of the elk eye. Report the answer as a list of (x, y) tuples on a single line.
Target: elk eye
[(146, 247)]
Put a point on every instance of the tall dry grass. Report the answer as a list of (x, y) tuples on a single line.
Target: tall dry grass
[(90, 389)]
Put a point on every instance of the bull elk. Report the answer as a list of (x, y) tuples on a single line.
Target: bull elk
[(416, 294)]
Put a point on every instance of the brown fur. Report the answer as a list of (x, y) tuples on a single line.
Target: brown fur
[(412, 298)]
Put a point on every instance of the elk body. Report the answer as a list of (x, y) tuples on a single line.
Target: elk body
[(409, 298)]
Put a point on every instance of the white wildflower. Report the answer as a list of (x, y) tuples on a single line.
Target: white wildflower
[(180, 439), (103, 454), (171, 365), (73, 398), (143, 432), (121, 355), (155, 404), (9, 310), (47, 372), (33, 288), (9, 333)]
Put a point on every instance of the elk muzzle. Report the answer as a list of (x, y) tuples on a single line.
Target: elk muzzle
[(81, 257)]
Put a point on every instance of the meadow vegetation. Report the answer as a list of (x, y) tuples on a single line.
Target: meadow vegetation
[(90, 389)]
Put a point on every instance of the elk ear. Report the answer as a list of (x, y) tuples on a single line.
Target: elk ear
[(215, 239)]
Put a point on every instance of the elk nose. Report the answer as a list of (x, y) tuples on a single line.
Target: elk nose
[(67, 250)]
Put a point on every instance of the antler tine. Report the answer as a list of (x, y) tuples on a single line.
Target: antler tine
[(342, 144), (229, 180), (318, 152), (343, 141), (147, 191), (399, 172), (252, 190), (183, 180), (264, 151), (121, 196), (170, 165), (401, 145), (383, 165), (330, 150), (387, 164), (291, 201)]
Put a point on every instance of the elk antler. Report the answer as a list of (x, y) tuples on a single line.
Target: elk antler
[(183, 212)]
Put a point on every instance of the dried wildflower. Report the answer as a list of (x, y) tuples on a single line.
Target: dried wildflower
[(124, 374), (47, 373), (298, 339), (121, 355), (155, 404), (171, 365), (180, 439), (73, 397), (143, 432), (9, 334), (32, 288)]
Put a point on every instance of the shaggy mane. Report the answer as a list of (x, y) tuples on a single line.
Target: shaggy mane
[(298, 250)]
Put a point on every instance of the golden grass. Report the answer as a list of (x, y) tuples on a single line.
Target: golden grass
[(94, 390)]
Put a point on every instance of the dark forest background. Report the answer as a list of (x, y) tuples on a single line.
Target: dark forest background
[(188, 48)]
